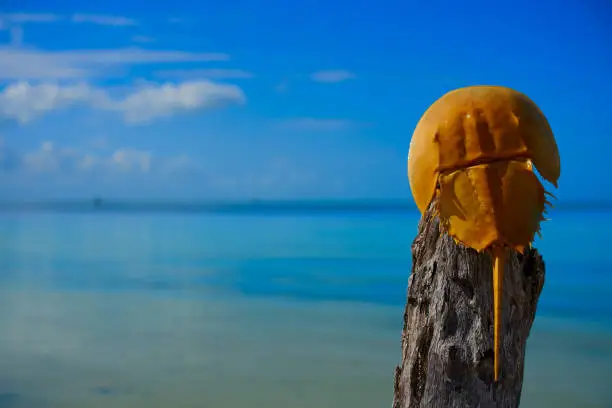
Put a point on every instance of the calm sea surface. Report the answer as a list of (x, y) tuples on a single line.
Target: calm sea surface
[(302, 310)]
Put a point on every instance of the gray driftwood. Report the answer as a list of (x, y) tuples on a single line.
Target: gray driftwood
[(447, 340)]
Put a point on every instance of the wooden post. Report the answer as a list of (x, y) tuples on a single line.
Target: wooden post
[(447, 340)]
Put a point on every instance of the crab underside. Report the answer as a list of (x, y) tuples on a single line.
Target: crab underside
[(500, 203)]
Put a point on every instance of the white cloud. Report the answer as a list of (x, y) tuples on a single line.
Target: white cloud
[(131, 159), (332, 76), (102, 19), (23, 102), (205, 73), (316, 124), (51, 159), (142, 172), (26, 63), (151, 102)]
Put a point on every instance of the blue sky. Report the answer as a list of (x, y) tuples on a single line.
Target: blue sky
[(278, 99)]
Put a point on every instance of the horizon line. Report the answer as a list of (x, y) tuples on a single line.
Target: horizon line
[(247, 205)]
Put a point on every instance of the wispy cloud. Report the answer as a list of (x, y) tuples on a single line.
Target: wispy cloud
[(131, 159), (16, 36), (61, 164), (9, 159), (24, 102), (282, 86), (103, 19), (50, 158), (332, 76), (180, 164), (316, 124), (143, 39), (264, 179), (7, 19), (205, 73), (28, 64), (99, 142)]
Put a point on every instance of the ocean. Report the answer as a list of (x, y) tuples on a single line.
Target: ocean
[(143, 308)]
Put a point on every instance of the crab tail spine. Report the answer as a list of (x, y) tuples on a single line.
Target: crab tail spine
[(499, 262)]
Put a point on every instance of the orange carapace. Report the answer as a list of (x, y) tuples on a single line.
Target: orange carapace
[(475, 149)]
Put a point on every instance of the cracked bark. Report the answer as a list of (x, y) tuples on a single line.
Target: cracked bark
[(447, 340)]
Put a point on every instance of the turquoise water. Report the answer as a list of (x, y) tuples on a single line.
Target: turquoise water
[(297, 310)]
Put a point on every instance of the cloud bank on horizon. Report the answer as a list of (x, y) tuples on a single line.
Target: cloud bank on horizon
[(241, 104)]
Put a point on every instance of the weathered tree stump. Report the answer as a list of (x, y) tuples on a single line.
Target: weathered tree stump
[(447, 340)]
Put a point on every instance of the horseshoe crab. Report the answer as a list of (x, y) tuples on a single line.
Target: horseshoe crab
[(475, 150)]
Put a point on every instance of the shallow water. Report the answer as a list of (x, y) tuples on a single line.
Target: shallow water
[(196, 310)]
